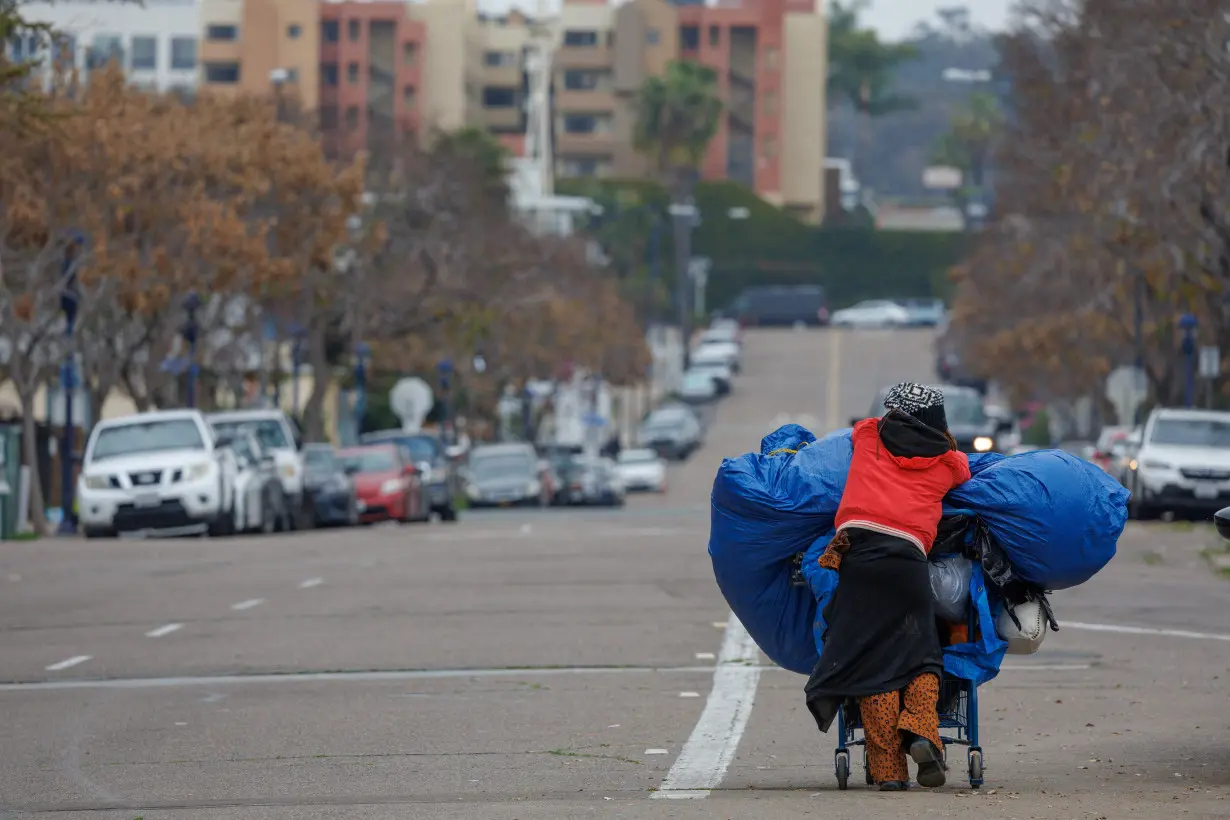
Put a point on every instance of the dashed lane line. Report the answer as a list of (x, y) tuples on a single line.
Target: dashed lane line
[(248, 604), (70, 662), (311, 582), (1146, 630), (164, 630)]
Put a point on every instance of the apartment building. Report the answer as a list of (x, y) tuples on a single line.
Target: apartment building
[(770, 59), (156, 43), (254, 46), (496, 68)]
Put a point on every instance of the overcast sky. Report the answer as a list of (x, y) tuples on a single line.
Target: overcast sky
[(894, 19)]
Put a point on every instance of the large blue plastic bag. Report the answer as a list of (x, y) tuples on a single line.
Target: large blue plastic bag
[(765, 510), (1057, 517)]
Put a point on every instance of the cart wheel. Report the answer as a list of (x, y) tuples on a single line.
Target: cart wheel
[(843, 770), (975, 768), (867, 769)]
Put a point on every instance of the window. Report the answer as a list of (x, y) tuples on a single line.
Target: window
[(328, 73), (144, 54), (352, 117), (352, 30), (409, 54), (408, 95), (221, 31), (352, 73), (499, 59), (222, 73), (689, 37), (270, 433), (147, 437), (583, 166), (183, 53), (499, 97), (583, 80), (653, 37), (328, 31), (580, 39), (105, 48), (328, 117), (294, 30), (715, 35), (65, 49), (580, 123)]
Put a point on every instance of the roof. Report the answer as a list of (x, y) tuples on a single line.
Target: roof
[(247, 415), (154, 415), (1192, 414)]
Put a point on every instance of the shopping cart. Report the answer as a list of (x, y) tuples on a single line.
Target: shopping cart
[(958, 706)]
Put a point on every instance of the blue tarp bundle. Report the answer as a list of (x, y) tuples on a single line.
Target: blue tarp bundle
[(1057, 518)]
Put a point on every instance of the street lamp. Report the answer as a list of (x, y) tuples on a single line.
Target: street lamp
[(361, 353), (68, 303), (296, 360), (192, 304), (1188, 324)]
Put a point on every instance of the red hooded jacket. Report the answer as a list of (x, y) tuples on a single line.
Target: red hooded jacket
[(900, 495)]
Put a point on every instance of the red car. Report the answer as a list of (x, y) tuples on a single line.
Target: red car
[(387, 485)]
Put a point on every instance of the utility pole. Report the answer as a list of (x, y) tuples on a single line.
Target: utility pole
[(683, 213)]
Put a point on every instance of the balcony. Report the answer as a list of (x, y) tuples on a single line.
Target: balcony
[(502, 119), (593, 144), (500, 75), (593, 102), (584, 57)]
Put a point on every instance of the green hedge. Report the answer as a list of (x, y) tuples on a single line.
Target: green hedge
[(773, 247)]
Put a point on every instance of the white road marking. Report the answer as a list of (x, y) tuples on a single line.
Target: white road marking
[(311, 582), (248, 604), (703, 761), (656, 751), (1145, 630), (689, 694), (164, 630), (65, 664), (705, 656), (720, 624)]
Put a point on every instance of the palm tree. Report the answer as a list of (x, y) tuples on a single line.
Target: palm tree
[(861, 70), (677, 116), (971, 136)]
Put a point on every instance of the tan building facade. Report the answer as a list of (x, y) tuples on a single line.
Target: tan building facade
[(251, 46)]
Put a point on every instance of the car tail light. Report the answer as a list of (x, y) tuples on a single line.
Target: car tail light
[(823, 314)]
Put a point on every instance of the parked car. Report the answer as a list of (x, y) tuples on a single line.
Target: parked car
[(560, 462), (330, 490), (671, 407), (723, 330), (778, 305), (429, 454), (505, 475), (388, 485), (973, 429), (1103, 454), (729, 354), (698, 387), (874, 313), (260, 499), (723, 377), (642, 470), (923, 312), (277, 434), (1123, 456), (1182, 464), (165, 472), (670, 432), (595, 481)]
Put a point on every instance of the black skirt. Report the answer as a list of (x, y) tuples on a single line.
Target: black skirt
[(881, 625)]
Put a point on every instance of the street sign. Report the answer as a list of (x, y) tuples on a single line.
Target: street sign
[(1210, 362), (1127, 388)]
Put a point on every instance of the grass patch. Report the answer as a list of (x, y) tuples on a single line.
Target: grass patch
[(1181, 525), (1153, 558), (25, 536), (1218, 558)]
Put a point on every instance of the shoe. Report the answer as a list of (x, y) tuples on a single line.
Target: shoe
[(930, 762), (895, 786)]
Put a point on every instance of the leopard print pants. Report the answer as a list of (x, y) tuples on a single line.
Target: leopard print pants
[(887, 715)]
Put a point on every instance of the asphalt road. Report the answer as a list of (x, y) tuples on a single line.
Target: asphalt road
[(556, 664)]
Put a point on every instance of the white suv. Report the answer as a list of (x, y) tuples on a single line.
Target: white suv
[(164, 472), (278, 436), (1182, 463)]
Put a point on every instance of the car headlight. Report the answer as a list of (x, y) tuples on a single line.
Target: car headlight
[(1132, 465), (533, 488), (1155, 465), (196, 471), (393, 485), (983, 444), (97, 482)]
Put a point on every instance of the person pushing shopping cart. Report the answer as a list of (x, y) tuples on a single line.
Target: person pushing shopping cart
[(882, 648)]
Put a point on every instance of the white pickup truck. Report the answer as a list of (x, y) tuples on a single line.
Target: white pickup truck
[(277, 434)]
